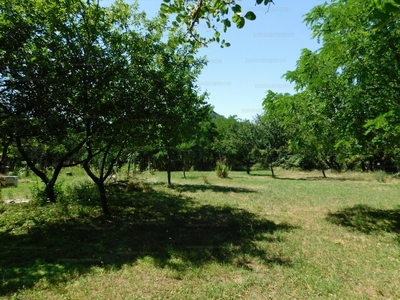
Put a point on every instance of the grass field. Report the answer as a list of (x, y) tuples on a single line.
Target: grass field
[(296, 236)]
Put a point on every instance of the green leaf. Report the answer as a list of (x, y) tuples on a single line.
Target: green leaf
[(240, 23), (237, 9), (259, 2), (250, 16), (391, 8), (164, 8), (226, 22)]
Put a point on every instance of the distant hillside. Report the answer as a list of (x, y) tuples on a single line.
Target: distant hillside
[(215, 115)]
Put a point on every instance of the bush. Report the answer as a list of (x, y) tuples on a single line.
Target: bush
[(85, 193), (136, 185), (39, 194), (257, 167), (222, 170), (205, 179)]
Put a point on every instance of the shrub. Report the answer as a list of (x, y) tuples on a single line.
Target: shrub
[(85, 193), (136, 185), (205, 179), (257, 167), (222, 170), (39, 194)]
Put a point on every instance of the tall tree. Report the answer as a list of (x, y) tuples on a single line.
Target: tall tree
[(179, 106), (36, 87), (349, 86)]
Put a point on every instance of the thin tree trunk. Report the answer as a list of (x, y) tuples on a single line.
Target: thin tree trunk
[(103, 198), (272, 169), (183, 162), (363, 166), (99, 181), (169, 167), (129, 167)]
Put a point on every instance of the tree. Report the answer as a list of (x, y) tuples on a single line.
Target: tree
[(348, 95), (178, 106), (37, 104), (274, 128)]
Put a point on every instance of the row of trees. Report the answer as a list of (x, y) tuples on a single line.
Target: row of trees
[(347, 106), (91, 85), (346, 111), (85, 84), (239, 144)]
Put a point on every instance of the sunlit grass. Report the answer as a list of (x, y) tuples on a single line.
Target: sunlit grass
[(296, 236)]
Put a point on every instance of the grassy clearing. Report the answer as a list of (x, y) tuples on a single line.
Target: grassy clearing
[(298, 236)]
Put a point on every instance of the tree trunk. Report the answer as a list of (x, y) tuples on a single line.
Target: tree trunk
[(183, 163), (272, 169), (323, 172), (49, 190), (103, 197), (248, 167), (129, 166), (169, 167), (100, 186)]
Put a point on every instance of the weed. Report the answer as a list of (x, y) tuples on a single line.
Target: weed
[(380, 176), (222, 170), (205, 179)]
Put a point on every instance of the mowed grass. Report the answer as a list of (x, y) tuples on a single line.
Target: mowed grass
[(297, 236)]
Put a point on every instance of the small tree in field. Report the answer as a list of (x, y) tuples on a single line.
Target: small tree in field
[(222, 169)]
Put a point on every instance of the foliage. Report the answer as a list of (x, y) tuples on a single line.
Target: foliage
[(39, 196), (121, 84), (346, 107), (205, 179), (213, 14), (222, 169)]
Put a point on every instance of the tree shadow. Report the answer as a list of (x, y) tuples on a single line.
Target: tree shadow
[(259, 175), (154, 224), (209, 187), (316, 178), (367, 219)]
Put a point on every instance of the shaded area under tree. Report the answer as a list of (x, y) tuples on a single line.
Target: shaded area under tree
[(152, 224), (367, 219)]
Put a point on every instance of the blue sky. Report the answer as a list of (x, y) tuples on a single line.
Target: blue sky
[(238, 77)]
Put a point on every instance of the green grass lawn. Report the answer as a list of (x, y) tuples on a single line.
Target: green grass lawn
[(296, 236)]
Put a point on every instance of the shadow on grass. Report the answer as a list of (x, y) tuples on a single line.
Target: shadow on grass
[(367, 219), (260, 175), (316, 178), (154, 224), (209, 187)]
